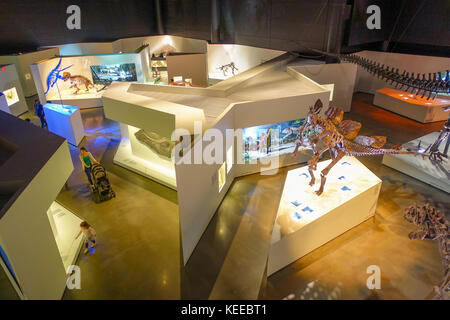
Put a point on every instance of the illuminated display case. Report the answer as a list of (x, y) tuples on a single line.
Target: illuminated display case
[(11, 96), (270, 140), (147, 153), (65, 226)]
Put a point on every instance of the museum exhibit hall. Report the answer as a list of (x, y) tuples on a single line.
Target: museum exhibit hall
[(208, 151)]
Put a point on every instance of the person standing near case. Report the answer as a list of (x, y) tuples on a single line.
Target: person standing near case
[(90, 235), (39, 111), (87, 160)]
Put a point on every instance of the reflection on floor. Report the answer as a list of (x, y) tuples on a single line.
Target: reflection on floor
[(138, 253)]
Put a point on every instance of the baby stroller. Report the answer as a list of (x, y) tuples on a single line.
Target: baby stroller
[(101, 191)]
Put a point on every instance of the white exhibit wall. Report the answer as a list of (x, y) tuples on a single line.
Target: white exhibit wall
[(162, 117), (198, 190), (365, 82), (124, 103), (157, 44), (10, 84), (25, 228), (144, 54), (197, 184), (23, 62), (341, 75), (192, 66), (244, 58), (199, 193), (84, 48), (160, 43)]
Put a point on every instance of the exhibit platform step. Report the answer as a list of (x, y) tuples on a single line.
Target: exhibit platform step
[(306, 221), (411, 106)]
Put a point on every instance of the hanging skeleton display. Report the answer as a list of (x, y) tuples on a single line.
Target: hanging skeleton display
[(54, 75)]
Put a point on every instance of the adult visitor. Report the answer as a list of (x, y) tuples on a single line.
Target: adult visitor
[(87, 160)]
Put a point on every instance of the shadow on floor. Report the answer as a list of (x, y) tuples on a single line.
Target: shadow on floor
[(201, 271)]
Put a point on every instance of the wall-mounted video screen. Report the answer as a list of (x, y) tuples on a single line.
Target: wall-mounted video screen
[(114, 72), (270, 139)]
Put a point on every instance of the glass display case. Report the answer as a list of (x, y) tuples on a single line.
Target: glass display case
[(11, 96), (65, 226)]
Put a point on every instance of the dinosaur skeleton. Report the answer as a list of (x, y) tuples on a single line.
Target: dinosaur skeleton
[(444, 134), (225, 68), (430, 85), (433, 226), (336, 134)]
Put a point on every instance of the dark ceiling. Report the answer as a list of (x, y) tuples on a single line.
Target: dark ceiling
[(418, 26)]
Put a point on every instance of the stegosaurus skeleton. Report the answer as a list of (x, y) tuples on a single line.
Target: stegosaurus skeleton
[(335, 134), (433, 226)]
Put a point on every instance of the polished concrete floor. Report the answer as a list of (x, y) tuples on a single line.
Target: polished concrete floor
[(139, 250)]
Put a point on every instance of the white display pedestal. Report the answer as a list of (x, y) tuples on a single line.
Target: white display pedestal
[(65, 121), (411, 106), (436, 174), (82, 101), (305, 221)]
